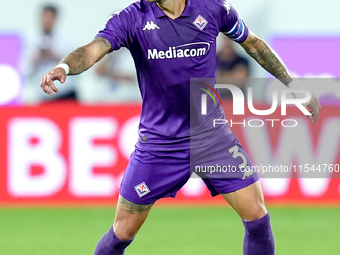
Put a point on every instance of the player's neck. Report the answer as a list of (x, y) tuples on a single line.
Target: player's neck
[(172, 8)]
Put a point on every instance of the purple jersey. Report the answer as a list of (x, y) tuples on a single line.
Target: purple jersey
[(167, 54)]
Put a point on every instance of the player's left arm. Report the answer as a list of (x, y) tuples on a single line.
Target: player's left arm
[(260, 51)]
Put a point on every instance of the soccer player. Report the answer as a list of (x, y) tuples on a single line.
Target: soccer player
[(171, 42)]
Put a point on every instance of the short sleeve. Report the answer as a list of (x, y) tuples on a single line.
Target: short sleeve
[(230, 24), (117, 30)]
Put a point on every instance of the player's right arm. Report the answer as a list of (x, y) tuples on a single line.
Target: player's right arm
[(118, 32), (78, 61)]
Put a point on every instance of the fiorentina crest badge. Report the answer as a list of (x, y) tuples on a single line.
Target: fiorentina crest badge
[(200, 22), (142, 189)]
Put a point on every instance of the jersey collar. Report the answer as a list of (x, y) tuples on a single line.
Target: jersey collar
[(159, 13)]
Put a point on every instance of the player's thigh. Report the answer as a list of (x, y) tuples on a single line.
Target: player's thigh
[(129, 218), (152, 175), (248, 202)]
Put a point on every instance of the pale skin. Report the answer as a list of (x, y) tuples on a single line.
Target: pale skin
[(247, 202)]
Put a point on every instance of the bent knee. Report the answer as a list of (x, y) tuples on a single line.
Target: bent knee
[(257, 211), (124, 233)]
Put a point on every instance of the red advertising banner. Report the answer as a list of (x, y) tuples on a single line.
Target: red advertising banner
[(68, 154)]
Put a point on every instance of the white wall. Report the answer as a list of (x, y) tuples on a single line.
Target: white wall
[(82, 18), (264, 17), (310, 17)]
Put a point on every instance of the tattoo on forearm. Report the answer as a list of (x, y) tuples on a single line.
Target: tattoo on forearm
[(76, 61), (80, 68), (268, 59), (86, 56), (133, 208), (106, 42)]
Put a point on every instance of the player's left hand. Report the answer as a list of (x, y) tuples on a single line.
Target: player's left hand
[(314, 108)]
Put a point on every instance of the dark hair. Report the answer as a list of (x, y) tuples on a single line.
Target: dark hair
[(50, 8)]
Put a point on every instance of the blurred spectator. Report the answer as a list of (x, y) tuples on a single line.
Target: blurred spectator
[(119, 80), (46, 51), (230, 65)]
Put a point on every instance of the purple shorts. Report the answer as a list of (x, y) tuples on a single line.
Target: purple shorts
[(152, 175)]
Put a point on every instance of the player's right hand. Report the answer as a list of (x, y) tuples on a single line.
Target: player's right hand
[(47, 80)]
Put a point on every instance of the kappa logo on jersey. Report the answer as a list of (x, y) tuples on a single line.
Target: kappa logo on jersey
[(227, 6), (142, 189), (200, 22), (150, 26)]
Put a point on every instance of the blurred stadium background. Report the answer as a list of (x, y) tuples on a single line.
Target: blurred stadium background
[(61, 162)]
